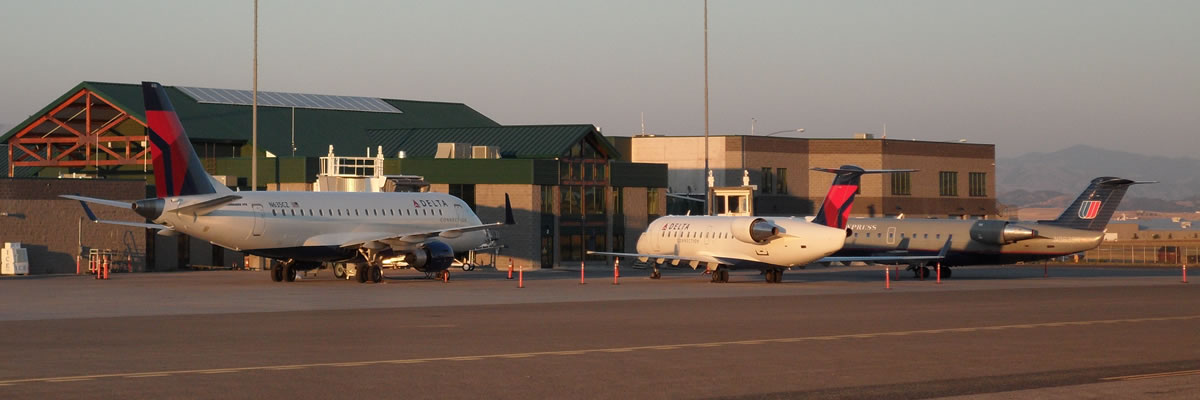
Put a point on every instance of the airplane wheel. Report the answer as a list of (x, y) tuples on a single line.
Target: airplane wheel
[(946, 273), (339, 270), (770, 275), (360, 273), (655, 274), (277, 273), (716, 276), (721, 275), (778, 275), (924, 272), (289, 274), (376, 274)]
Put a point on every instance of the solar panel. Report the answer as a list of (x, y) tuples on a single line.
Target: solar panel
[(281, 99)]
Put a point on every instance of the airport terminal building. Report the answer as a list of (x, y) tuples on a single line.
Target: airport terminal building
[(954, 180)]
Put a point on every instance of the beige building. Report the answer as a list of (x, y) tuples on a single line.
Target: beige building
[(953, 179)]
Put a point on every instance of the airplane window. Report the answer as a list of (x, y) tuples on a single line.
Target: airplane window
[(294, 212), (393, 212), (320, 212), (339, 213), (272, 212), (855, 234), (938, 236), (439, 211)]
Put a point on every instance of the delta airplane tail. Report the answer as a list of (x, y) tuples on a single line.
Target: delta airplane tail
[(1095, 206), (177, 169), (835, 209)]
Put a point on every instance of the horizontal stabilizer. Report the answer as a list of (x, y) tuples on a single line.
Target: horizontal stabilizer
[(105, 202), (92, 217)]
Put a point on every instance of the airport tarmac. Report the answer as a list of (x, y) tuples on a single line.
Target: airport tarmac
[(991, 332)]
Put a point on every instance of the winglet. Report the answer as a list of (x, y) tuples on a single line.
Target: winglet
[(945, 248), (91, 215), (508, 213)]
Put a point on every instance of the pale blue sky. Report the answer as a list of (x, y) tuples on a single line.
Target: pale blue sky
[(1025, 75)]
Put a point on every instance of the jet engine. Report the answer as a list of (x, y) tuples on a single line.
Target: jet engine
[(431, 256), (753, 230), (1000, 232)]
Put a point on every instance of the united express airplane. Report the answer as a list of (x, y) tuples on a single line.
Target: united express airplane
[(991, 242), (302, 229)]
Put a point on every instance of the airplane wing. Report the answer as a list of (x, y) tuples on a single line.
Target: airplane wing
[(92, 217), (893, 258), (207, 206), (693, 262)]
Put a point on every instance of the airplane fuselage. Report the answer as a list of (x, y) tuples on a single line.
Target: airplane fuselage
[(722, 238), (314, 226), (871, 236)]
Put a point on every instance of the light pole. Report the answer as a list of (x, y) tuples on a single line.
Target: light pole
[(798, 130)]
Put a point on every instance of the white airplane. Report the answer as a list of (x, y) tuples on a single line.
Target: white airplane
[(302, 229), (769, 244)]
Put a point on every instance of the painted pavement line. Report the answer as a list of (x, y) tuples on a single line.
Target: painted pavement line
[(149, 374)]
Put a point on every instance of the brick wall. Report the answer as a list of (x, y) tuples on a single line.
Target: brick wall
[(51, 227)]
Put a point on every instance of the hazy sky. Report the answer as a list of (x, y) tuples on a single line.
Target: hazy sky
[(1025, 75)]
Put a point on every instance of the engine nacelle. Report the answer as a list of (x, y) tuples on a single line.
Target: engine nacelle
[(753, 230), (1000, 232), (431, 256)]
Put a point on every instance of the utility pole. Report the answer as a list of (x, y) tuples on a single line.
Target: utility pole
[(254, 110), (707, 207)]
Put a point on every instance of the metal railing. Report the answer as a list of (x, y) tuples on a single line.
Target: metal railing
[(1147, 254)]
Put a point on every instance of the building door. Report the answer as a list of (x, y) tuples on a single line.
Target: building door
[(259, 222)]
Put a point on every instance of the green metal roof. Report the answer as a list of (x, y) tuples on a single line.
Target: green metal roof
[(315, 129), (515, 141)]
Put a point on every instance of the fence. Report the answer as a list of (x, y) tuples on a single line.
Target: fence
[(1141, 254)]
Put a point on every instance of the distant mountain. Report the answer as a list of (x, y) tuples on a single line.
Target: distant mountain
[(1028, 179)]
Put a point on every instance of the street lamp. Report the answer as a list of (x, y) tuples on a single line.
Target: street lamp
[(799, 130)]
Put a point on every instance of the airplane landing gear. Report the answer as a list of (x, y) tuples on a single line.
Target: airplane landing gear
[(282, 271), (774, 275), (720, 275), (360, 273), (339, 270), (376, 274), (945, 272), (655, 274), (276, 272)]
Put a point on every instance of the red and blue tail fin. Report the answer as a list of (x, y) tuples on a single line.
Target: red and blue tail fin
[(177, 169), (835, 209)]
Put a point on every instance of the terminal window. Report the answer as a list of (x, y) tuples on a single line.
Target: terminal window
[(978, 184), (902, 184), (948, 183), (768, 181)]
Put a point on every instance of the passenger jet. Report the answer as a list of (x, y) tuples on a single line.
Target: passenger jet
[(769, 244), (991, 242), (302, 229)]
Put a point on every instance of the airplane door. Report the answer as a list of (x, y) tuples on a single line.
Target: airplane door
[(458, 213), (259, 223), (891, 238)]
